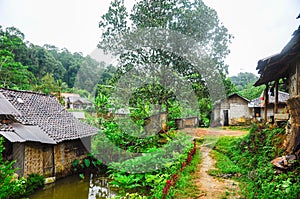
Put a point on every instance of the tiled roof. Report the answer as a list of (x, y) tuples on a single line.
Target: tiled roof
[(47, 113)]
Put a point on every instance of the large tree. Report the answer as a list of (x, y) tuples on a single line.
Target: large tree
[(169, 40)]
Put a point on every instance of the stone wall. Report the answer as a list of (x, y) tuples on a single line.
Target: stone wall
[(292, 142)]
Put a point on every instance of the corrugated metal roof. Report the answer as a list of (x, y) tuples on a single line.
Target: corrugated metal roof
[(79, 115), (12, 136), (32, 133), (6, 108), (282, 98)]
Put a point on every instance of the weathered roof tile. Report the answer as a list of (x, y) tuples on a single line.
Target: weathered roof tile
[(47, 113)]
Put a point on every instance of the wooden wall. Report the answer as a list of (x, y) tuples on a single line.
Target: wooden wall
[(18, 155), (48, 160), (65, 153)]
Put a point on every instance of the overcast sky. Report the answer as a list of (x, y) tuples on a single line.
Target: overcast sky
[(260, 27)]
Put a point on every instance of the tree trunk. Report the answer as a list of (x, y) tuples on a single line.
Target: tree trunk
[(292, 142)]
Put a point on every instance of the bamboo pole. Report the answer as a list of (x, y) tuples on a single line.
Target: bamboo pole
[(266, 103)]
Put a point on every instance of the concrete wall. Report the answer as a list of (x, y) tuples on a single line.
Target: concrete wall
[(238, 110), (186, 122), (156, 123)]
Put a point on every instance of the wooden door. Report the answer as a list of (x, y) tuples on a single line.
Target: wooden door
[(48, 161)]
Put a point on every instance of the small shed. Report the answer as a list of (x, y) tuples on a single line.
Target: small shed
[(232, 111), (40, 134), (187, 122), (284, 67)]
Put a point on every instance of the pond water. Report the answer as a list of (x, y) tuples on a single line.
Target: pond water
[(72, 187)]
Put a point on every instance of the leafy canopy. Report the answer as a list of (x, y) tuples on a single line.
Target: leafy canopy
[(147, 42)]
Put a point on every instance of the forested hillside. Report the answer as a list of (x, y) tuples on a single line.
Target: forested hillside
[(47, 69)]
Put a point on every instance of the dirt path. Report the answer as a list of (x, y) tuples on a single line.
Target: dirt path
[(209, 186)]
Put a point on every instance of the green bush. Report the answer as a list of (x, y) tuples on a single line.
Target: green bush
[(34, 182)]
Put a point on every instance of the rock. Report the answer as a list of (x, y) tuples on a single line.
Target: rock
[(284, 162), (50, 180)]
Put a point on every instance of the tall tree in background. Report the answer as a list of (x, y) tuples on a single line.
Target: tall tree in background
[(190, 18), (13, 74), (242, 80)]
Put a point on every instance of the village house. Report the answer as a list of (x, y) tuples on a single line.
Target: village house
[(258, 106), (40, 134), (285, 67), (75, 102), (232, 111)]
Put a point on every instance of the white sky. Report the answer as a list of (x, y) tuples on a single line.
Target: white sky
[(260, 27)]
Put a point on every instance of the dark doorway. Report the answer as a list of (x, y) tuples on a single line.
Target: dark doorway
[(257, 111), (226, 121)]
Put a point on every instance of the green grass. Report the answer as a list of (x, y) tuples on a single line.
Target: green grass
[(186, 186), (224, 165), (248, 159)]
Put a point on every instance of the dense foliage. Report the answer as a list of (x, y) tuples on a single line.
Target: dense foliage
[(248, 160), (47, 68), (13, 187)]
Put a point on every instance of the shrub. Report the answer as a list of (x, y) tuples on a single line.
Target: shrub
[(34, 182)]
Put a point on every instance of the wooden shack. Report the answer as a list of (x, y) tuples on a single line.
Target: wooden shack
[(284, 68), (40, 134)]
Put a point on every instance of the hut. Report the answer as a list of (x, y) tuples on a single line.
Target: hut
[(284, 68), (40, 134)]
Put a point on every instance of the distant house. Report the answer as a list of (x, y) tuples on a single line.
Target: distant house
[(40, 134), (74, 101), (285, 67), (232, 111), (258, 105)]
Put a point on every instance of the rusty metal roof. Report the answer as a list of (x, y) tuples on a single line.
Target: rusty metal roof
[(45, 112)]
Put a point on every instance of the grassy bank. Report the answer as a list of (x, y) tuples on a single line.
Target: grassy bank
[(186, 186), (248, 159)]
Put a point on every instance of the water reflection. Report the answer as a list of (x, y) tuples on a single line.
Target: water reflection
[(72, 187)]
